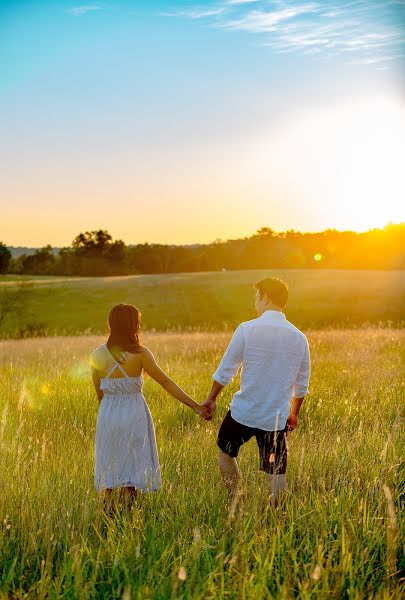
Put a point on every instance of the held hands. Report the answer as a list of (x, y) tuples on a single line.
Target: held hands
[(211, 405), (207, 409), (203, 411)]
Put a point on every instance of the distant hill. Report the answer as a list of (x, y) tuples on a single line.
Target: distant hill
[(17, 251)]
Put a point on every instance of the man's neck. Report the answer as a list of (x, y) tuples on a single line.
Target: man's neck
[(272, 307)]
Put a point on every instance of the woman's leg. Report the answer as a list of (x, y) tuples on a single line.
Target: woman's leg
[(107, 500), (117, 499), (129, 496)]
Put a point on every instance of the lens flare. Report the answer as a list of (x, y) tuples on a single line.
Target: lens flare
[(79, 372)]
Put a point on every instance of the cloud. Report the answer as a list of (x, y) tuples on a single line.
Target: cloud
[(78, 11), (194, 13), (369, 31), (260, 21), (239, 2), (374, 60)]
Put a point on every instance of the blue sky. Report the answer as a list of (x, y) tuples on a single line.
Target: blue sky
[(184, 121)]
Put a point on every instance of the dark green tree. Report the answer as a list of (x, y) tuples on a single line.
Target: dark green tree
[(5, 257), (42, 262), (95, 253)]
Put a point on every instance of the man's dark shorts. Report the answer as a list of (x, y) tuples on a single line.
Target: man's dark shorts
[(272, 444)]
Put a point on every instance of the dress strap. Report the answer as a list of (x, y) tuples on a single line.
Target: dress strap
[(117, 365), (121, 368)]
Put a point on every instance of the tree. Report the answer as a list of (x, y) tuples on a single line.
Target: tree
[(94, 253), (94, 242), (5, 257), (42, 262), (264, 232)]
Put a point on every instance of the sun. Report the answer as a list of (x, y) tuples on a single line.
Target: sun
[(339, 167), (369, 189)]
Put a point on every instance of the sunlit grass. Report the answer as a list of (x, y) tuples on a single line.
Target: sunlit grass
[(339, 536), (216, 301)]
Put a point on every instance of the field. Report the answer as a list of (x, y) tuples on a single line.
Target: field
[(339, 536), (203, 301)]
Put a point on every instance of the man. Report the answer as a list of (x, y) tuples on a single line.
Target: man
[(275, 370)]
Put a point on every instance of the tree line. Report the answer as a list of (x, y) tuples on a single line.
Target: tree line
[(95, 253)]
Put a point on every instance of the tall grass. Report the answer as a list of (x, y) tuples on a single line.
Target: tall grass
[(339, 536)]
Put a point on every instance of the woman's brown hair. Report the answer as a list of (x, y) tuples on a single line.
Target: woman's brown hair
[(124, 321)]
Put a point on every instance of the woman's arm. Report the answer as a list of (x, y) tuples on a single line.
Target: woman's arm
[(152, 368), (96, 380)]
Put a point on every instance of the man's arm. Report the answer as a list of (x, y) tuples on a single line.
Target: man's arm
[(211, 400), (300, 390), (228, 367), (292, 420)]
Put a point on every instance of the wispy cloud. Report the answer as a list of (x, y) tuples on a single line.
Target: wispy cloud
[(260, 21), (374, 60), (195, 13), (239, 2), (78, 11), (369, 31)]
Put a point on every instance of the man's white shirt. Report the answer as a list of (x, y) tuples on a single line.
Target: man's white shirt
[(275, 367)]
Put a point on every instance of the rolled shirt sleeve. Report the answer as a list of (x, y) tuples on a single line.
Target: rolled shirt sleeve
[(232, 359), (300, 388)]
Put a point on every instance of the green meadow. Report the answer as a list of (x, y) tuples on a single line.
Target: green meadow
[(338, 537), (212, 301)]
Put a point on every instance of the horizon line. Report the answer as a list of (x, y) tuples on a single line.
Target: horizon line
[(220, 240)]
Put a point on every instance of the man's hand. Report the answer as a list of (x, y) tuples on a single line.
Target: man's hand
[(211, 401), (211, 405), (292, 422), (204, 411)]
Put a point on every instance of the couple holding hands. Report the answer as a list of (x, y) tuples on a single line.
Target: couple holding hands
[(275, 362)]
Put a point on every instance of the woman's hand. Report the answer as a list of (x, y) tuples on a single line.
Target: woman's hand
[(211, 404), (204, 411)]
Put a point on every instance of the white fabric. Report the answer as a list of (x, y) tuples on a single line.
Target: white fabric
[(276, 366), (125, 446)]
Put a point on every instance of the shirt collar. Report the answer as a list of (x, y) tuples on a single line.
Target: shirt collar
[(268, 314)]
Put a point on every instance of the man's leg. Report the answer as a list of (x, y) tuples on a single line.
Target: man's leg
[(273, 451), (278, 487), (231, 436), (229, 471)]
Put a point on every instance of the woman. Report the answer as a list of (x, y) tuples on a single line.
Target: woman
[(126, 455)]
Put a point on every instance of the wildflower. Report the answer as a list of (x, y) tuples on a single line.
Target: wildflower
[(316, 574)]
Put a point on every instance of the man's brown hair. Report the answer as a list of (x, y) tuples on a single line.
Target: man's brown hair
[(276, 290)]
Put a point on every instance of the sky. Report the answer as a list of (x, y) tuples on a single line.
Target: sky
[(186, 122)]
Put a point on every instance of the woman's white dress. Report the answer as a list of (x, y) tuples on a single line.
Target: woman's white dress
[(125, 447)]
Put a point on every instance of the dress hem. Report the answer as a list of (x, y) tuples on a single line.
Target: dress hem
[(125, 485)]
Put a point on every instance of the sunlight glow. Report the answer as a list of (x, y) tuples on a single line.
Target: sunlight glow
[(79, 371), (343, 166)]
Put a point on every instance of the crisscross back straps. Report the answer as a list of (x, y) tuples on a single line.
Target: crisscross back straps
[(117, 366)]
